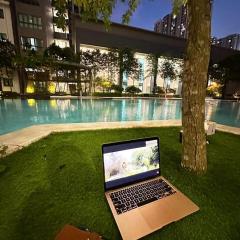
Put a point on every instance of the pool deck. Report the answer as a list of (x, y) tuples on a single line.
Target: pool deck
[(21, 138)]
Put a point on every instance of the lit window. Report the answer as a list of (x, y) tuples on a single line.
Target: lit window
[(31, 43), (61, 43), (29, 21), (59, 30)]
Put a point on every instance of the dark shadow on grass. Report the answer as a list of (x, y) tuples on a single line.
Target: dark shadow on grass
[(73, 195)]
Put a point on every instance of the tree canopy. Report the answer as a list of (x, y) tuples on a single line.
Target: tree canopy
[(93, 10), (100, 9), (7, 54)]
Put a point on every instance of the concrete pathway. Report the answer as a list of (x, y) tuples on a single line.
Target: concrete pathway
[(22, 138)]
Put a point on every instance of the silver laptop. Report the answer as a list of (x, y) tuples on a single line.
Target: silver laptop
[(141, 200)]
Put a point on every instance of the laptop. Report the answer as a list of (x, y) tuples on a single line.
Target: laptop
[(140, 198)]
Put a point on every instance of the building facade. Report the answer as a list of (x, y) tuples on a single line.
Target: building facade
[(6, 31), (31, 24), (145, 80), (173, 25), (33, 27), (231, 41), (9, 80)]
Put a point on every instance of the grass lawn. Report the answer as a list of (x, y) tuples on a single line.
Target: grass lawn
[(38, 194)]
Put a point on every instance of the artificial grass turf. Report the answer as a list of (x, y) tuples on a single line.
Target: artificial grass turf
[(39, 194)]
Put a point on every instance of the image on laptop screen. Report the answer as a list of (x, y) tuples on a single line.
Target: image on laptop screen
[(129, 162)]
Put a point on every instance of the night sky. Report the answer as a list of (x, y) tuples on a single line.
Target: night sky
[(225, 18)]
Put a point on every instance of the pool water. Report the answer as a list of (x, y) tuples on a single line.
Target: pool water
[(16, 114)]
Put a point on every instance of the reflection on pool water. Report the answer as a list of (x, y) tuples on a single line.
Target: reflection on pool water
[(16, 114)]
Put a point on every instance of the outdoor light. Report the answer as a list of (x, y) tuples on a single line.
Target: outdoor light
[(30, 89), (51, 88)]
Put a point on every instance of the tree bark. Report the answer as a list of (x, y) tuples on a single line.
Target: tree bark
[(90, 82), (120, 56), (155, 74), (79, 83), (194, 85)]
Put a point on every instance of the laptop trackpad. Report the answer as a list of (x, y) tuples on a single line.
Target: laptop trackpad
[(157, 214)]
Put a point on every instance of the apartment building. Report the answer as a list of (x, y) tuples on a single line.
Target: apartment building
[(6, 31), (8, 79), (33, 23), (231, 41), (173, 25), (33, 26)]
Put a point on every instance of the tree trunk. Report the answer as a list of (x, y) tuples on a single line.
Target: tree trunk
[(22, 79), (90, 82), (155, 74), (121, 71), (194, 85), (1, 85), (79, 84)]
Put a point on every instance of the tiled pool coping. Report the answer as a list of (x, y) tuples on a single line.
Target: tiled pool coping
[(22, 138)]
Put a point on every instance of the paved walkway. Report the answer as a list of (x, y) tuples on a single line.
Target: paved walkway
[(22, 138)]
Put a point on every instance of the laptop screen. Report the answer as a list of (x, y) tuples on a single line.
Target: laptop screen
[(131, 161)]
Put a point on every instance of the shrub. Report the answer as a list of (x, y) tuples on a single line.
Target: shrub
[(132, 89), (160, 90), (104, 83), (147, 95), (214, 90), (10, 95), (107, 94), (117, 88), (38, 96), (170, 90)]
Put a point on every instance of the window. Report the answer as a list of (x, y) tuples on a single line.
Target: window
[(1, 13), (7, 82), (3, 36), (31, 43), (61, 43), (59, 30), (29, 21)]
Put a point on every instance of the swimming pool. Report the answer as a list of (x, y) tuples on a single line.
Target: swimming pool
[(16, 114)]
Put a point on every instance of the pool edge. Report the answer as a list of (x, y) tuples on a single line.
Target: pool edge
[(21, 138)]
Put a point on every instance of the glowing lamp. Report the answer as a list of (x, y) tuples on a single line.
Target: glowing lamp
[(51, 88), (30, 89)]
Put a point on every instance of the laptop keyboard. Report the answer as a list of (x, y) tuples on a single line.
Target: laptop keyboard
[(139, 195)]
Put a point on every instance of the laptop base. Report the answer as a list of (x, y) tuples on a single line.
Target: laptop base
[(148, 218)]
